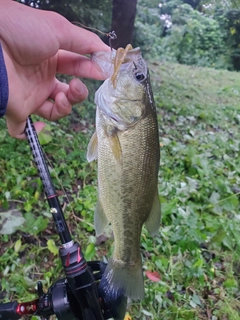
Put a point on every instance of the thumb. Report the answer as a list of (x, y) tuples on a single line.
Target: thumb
[(17, 129)]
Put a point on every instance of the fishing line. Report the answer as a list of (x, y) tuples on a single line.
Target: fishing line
[(56, 176), (68, 202), (112, 34)]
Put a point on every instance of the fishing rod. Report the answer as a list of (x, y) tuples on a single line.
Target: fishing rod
[(76, 296)]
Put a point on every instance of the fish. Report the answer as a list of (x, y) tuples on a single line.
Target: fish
[(126, 147)]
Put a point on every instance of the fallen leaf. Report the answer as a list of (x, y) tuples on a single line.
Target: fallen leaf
[(127, 317), (18, 245), (153, 276), (10, 221), (209, 312), (45, 136), (52, 247), (170, 296)]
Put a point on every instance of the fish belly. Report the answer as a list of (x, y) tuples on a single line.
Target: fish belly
[(127, 187)]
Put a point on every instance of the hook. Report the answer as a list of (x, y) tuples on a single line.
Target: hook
[(112, 36)]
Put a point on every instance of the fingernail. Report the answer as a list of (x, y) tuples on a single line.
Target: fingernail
[(65, 102), (82, 90)]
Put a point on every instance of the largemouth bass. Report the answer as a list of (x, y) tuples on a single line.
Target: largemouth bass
[(126, 145)]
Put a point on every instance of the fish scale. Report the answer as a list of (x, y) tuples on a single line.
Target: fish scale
[(126, 145)]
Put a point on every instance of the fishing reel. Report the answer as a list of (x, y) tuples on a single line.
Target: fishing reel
[(61, 301), (77, 295)]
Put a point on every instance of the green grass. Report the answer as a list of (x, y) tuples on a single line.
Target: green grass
[(197, 251)]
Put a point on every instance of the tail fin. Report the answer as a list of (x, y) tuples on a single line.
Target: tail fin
[(119, 280)]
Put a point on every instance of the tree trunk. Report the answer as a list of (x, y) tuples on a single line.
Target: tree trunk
[(123, 16)]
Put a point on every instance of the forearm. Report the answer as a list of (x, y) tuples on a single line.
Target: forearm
[(36, 45), (4, 89), (4, 92)]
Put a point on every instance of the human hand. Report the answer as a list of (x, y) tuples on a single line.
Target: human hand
[(36, 45)]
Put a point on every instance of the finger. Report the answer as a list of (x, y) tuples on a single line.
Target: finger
[(54, 110), (58, 87), (39, 126), (17, 129), (76, 39), (75, 91), (50, 110), (77, 65)]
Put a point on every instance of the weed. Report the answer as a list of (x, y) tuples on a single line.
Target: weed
[(196, 253)]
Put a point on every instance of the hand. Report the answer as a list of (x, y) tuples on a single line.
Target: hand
[(36, 45)]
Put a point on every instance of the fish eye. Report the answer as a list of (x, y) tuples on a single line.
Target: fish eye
[(139, 76)]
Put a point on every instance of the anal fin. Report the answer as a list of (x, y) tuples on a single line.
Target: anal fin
[(112, 134), (100, 219), (92, 151), (153, 222)]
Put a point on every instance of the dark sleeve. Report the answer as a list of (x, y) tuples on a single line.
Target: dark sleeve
[(3, 85)]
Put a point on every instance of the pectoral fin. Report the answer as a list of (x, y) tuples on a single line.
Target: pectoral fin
[(114, 143), (92, 149), (100, 219), (153, 222), (116, 147)]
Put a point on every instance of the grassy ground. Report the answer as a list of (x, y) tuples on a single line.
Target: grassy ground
[(196, 255)]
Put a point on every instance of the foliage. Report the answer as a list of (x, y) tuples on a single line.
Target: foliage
[(233, 36), (198, 116), (95, 13), (195, 39), (191, 32), (196, 254), (182, 35)]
